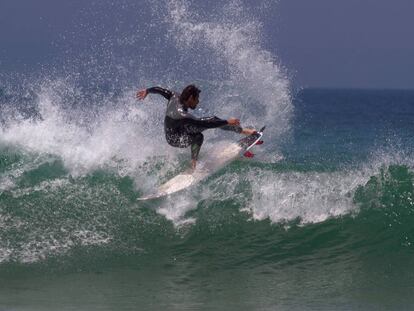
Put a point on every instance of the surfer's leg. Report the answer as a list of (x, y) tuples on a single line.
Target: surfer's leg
[(196, 142), (183, 140)]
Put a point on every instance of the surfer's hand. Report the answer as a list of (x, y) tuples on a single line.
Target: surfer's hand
[(233, 121), (142, 94)]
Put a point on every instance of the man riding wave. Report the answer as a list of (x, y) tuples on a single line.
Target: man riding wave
[(182, 129)]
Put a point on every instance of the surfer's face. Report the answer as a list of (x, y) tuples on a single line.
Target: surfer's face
[(192, 102)]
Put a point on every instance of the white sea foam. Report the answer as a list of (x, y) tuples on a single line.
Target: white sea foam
[(313, 197), (308, 197), (175, 209), (123, 136), (259, 88)]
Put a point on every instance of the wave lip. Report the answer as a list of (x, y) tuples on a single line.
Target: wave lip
[(253, 72)]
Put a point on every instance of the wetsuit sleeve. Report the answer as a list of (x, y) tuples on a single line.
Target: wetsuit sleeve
[(209, 122), (233, 128), (167, 94)]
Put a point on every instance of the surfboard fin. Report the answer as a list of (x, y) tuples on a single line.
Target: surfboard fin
[(260, 142), (248, 154)]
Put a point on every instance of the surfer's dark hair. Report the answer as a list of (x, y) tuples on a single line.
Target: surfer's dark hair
[(189, 90)]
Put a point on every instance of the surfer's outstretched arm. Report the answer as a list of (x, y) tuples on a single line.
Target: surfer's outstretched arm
[(167, 94), (200, 124), (238, 129)]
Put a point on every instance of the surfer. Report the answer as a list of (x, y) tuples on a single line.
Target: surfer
[(181, 128)]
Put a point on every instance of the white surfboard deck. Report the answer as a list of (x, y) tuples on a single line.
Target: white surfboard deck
[(214, 161)]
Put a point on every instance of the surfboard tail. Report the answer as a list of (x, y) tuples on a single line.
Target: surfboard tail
[(248, 154), (255, 139)]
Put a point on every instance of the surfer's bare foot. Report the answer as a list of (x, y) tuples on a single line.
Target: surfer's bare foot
[(248, 131), (193, 164)]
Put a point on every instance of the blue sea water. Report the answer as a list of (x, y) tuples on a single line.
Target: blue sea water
[(320, 219)]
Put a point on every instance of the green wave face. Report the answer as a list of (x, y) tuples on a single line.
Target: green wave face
[(54, 225), (48, 215)]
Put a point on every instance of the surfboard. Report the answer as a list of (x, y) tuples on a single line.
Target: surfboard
[(212, 163)]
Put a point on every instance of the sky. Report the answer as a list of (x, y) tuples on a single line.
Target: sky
[(320, 43), (355, 43)]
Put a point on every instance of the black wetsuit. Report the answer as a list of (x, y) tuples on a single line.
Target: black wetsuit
[(181, 128)]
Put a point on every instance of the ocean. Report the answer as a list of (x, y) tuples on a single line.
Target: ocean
[(320, 219)]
